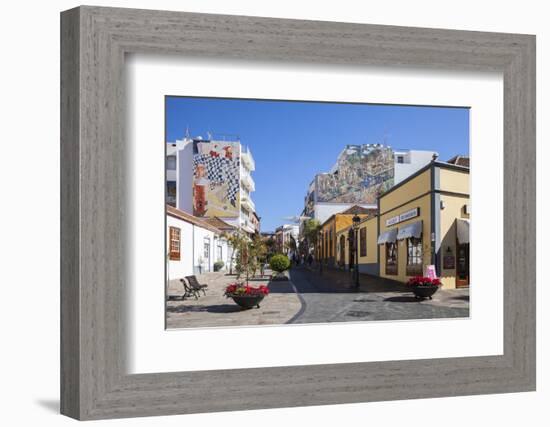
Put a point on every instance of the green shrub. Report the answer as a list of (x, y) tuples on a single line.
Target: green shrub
[(279, 263), (218, 265)]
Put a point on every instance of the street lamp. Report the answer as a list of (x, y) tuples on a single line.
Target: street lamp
[(321, 246), (356, 220)]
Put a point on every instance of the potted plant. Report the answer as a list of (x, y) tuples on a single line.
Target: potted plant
[(218, 265), (245, 295), (424, 287), (279, 263)]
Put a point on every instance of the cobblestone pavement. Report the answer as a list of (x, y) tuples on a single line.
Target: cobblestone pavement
[(310, 297), (215, 310), (331, 297)]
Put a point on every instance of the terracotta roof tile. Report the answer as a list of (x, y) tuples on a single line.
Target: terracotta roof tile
[(170, 210)]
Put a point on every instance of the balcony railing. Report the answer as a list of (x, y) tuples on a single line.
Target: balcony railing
[(247, 201), (247, 181), (246, 157)]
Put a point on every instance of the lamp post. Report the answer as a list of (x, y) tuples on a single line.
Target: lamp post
[(321, 251), (356, 220)]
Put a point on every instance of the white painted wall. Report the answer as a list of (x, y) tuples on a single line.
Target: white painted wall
[(184, 173), (192, 248), (414, 160), (183, 267)]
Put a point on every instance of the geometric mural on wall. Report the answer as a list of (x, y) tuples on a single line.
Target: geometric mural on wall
[(216, 179)]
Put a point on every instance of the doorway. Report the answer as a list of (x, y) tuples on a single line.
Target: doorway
[(462, 265)]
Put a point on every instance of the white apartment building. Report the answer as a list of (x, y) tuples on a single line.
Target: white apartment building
[(407, 162), (212, 178)]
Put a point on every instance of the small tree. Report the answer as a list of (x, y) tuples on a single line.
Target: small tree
[(236, 240), (279, 263), (311, 232)]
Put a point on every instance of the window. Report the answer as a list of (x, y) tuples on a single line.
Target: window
[(400, 159), (363, 241), (391, 258), (171, 193), (175, 233), (219, 254), (414, 257), (206, 248), (171, 163)]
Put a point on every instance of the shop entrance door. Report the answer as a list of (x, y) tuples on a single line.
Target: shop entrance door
[(463, 265)]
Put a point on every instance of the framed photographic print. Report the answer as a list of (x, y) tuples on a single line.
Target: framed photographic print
[(278, 213)]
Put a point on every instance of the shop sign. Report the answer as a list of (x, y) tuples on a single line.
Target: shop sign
[(393, 220), (408, 215), (403, 217)]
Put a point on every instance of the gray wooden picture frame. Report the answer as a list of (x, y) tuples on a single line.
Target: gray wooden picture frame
[(94, 382)]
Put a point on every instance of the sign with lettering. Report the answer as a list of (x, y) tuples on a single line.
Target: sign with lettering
[(408, 215), (393, 220), (403, 217)]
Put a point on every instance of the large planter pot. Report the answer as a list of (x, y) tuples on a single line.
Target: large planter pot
[(279, 277), (424, 291), (248, 301)]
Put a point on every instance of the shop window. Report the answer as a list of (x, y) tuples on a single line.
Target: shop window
[(391, 258), (414, 257), (175, 247), (363, 241)]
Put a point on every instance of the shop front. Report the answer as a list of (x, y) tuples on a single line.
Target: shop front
[(424, 221)]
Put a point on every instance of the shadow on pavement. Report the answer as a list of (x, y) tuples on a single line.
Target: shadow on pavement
[(338, 281), (402, 299), (219, 308)]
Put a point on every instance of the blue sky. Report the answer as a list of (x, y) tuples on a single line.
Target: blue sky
[(291, 141)]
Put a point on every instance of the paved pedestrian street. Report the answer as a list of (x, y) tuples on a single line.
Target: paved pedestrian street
[(312, 297), (332, 297), (215, 310)]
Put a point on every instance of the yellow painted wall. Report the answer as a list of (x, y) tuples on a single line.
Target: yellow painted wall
[(337, 223), (454, 181), (326, 228), (425, 215), (342, 232), (408, 191), (372, 238), (454, 208)]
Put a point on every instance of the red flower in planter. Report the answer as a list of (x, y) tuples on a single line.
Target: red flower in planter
[(423, 281), (241, 289)]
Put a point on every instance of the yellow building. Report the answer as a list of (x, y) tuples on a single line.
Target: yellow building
[(424, 220), (367, 248), (327, 244)]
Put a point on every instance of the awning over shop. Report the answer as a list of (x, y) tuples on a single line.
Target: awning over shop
[(463, 230), (387, 236), (410, 230)]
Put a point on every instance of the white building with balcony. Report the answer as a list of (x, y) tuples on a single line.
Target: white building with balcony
[(212, 178)]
